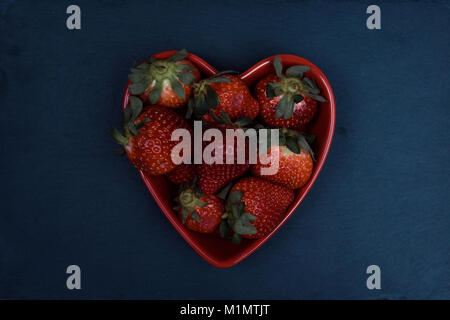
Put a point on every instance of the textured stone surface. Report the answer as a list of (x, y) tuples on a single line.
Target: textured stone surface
[(382, 197)]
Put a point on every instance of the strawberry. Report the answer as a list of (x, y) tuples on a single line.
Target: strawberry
[(147, 136), (288, 100), (254, 208), (167, 83), (182, 174), (222, 93), (295, 160), (213, 177), (199, 212)]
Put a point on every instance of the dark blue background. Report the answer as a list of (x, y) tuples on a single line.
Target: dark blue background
[(382, 197)]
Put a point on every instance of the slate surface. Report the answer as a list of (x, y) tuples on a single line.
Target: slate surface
[(382, 197)]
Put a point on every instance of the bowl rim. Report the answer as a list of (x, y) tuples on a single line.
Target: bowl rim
[(206, 68)]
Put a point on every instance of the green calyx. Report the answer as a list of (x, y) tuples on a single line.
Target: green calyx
[(293, 87), (129, 125), (224, 118), (296, 141), (293, 140), (204, 97), (159, 73), (189, 201), (236, 219)]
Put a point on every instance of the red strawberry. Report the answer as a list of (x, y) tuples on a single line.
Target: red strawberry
[(166, 82), (255, 207), (182, 174), (199, 212), (212, 177), (147, 136), (295, 161), (288, 100), (222, 92)]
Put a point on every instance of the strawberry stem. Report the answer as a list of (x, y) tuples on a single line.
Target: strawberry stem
[(118, 137), (293, 87), (130, 127), (187, 198)]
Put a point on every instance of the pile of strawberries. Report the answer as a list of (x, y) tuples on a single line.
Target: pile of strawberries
[(234, 199)]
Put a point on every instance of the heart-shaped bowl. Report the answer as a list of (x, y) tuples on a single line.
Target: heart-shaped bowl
[(212, 248)]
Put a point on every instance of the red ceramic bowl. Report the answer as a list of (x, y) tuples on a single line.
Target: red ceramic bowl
[(212, 248)]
